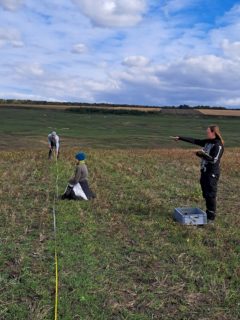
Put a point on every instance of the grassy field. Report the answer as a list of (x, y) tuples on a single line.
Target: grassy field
[(121, 256), (28, 128)]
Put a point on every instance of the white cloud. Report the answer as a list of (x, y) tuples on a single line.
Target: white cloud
[(231, 49), (10, 37), (23, 96), (79, 48), (113, 13), (158, 61), (232, 16), (208, 80), (97, 86), (11, 5), (78, 89), (232, 102), (29, 70), (171, 6), (201, 73), (136, 61)]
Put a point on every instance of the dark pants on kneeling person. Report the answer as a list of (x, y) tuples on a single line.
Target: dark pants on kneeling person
[(86, 189), (70, 195), (209, 182)]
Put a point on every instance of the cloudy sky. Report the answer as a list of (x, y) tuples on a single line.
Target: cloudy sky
[(153, 52)]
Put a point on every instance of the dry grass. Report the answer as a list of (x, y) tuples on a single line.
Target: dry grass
[(36, 106), (225, 113), (121, 256)]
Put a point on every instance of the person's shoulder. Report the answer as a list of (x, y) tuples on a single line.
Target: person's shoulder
[(82, 165), (218, 142)]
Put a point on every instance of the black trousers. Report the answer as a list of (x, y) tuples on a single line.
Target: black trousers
[(53, 146), (86, 189), (209, 184)]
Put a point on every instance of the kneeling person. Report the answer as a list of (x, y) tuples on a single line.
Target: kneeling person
[(78, 188)]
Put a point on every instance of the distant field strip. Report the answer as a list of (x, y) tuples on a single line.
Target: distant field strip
[(162, 110), (36, 106), (145, 109), (65, 107), (226, 113)]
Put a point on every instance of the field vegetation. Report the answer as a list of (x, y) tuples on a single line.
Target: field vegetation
[(28, 128), (121, 256)]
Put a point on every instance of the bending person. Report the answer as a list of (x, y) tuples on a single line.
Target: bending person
[(213, 148), (53, 143), (78, 188)]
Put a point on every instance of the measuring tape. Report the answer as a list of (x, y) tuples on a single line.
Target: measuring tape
[(55, 244)]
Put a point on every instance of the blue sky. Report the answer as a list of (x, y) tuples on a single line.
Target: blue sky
[(165, 52)]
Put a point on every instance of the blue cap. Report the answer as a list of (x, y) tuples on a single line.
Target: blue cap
[(80, 156)]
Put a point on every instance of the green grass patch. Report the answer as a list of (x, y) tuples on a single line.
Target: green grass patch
[(28, 128), (121, 256)]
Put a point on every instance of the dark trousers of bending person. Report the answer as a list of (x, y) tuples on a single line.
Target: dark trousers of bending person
[(51, 150), (211, 154)]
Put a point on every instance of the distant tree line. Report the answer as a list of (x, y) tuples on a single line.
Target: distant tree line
[(80, 104), (109, 105), (110, 110)]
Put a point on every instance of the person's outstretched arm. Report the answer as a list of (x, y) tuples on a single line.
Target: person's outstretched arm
[(49, 141), (199, 142)]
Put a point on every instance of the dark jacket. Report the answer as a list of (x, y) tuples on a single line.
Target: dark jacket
[(211, 153)]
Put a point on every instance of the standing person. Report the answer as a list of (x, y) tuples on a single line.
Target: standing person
[(78, 187), (53, 143), (213, 148)]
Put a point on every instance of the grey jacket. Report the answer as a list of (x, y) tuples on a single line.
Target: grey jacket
[(81, 173)]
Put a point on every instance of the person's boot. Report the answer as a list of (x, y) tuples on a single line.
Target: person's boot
[(210, 215)]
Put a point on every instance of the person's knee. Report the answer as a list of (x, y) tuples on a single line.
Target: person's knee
[(210, 193)]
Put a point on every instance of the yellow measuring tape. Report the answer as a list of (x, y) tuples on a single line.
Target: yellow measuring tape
[(55, 245), (56, 285)]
